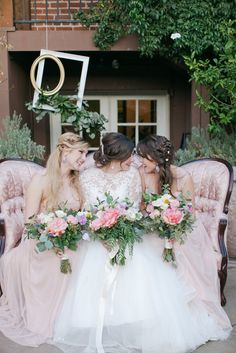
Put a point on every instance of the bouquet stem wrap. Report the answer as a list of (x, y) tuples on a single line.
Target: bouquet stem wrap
[(65, 265), (168, 252)]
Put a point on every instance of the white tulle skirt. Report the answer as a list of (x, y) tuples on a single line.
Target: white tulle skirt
[(140, 307)]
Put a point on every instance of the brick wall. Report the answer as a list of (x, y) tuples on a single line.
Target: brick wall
[(61, 10)]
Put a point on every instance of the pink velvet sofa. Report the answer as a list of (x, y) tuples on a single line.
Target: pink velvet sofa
[(213, 179), (15, 176)]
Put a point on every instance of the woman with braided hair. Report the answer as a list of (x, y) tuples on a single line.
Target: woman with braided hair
[(32, 284), (196, 259)]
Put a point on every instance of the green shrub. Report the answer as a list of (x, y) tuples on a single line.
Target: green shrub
[(16, 142), (201, 144)]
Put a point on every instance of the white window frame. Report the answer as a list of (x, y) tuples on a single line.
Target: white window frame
[(108, 107)]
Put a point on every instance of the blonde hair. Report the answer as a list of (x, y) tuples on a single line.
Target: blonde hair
[(67, 141)]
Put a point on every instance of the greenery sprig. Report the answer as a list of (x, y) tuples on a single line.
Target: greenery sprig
[(80, 118)]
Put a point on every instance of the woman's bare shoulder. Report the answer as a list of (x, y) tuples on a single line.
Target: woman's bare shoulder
[(39, 180)]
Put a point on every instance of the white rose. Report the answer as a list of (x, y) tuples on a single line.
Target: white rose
[(45, 218), (175, 35), (131, 214), (60, 214)]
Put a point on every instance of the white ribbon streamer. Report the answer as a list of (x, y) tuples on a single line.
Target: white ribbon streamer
[(108, 287), (168, 244)]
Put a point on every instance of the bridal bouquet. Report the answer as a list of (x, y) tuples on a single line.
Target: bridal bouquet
[(172, 217), (116, 223), (57, 230)]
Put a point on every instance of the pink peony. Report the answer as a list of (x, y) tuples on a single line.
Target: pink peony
[(172, 216), (57, 227), (110, 217), (72, 220), (96, 224)]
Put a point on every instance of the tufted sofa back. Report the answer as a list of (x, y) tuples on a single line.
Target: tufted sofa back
[(15, 176), (213, 186)]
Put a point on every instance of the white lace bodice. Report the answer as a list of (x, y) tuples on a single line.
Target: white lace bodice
[(95, 182)]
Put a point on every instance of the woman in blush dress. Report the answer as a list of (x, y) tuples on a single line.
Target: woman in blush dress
[(141, 307), (32, 284), (196, 258)]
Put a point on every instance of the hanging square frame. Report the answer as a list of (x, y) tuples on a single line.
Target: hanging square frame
[(83, 76)]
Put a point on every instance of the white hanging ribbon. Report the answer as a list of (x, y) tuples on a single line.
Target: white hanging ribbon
[(109, 282)]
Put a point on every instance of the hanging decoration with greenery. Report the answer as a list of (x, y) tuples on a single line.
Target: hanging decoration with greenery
[(80, 118)]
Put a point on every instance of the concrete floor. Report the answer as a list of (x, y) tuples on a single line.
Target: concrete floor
[(228, 346)]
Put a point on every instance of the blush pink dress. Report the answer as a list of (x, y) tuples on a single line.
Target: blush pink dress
[(33, 290), (197, 262)]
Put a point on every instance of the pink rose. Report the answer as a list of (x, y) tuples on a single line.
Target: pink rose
[(174, 203), (72, 220), (57, 227), (172, 216), (110, 217)]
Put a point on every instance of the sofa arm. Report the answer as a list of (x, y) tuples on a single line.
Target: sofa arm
[(223, 249), (2, 234), (221, 234)]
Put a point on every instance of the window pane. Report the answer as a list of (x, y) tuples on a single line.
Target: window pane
[(92, 142), (67, 128), (145, 131), (126, 111), (129, 131), (147, 111), (93, 105)]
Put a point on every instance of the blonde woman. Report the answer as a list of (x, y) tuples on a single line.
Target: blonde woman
[(33, 286)]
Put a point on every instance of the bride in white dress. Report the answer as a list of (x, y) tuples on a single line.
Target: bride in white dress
[(140, 307)]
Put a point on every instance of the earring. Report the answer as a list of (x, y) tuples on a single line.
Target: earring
[(157, 169)]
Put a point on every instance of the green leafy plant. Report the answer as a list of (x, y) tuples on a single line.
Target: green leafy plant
[(219, 76), (202, 39), (202, 144), (16, 142), (81, 119), (153, 22)]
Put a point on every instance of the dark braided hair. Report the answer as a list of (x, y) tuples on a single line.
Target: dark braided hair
[(115, 146), (160, 150)]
